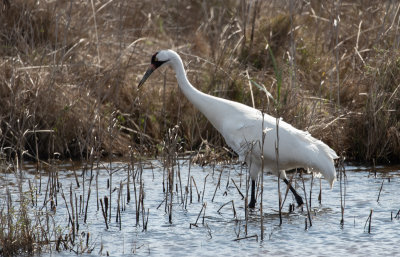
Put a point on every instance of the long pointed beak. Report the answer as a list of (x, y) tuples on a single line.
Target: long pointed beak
[(146, 75)]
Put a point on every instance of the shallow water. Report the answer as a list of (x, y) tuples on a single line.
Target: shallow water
[(216, 236)]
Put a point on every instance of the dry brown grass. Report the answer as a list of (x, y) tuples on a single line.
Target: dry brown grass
[(72, 68), (69, 70)]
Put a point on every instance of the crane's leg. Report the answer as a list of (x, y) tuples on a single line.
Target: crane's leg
[(299, 200), (252, 203)]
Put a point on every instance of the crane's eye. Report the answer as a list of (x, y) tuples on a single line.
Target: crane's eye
[(156, 59)]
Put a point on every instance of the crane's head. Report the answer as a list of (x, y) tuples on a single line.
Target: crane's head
[(157, 60)]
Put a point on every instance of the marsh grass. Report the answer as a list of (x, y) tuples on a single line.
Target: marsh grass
[(24, 228), (19, 232), (76, 74), (69, 70)]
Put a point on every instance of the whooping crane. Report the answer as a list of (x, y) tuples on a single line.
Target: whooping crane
[(242, 128)]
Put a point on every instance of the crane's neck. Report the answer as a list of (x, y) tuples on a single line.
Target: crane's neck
[(203, 102), (190, 91)]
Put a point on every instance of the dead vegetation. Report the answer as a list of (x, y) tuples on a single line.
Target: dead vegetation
[(69, 72)]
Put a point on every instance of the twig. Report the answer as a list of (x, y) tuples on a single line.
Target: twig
[(370, 221), (96, 33), (380, 190), (320, 192), (237, 188), (247, 237), (277, 168), (224, 206), (305, 196), (251, 88), (198, 216), (397, 215), (219, 182), (104, 214), (197, 190), (204, 188), (305, 224)]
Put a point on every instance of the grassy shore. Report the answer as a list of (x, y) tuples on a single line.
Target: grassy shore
[(69, 70)]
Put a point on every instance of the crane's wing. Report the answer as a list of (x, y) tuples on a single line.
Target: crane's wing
[(297, 148), (243, 132)]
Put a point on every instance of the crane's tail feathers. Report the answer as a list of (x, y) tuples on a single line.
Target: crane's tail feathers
[(330, 179), (326, 149), (325, 161), (332, 156), (332, 182), (330, 175)]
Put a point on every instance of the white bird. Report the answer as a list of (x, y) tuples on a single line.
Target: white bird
[(242, 128)]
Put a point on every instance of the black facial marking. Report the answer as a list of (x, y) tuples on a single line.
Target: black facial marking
[(153, 58), (155, 62)]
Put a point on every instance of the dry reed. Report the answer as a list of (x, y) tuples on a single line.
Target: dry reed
[(67, 76), (67, 83)]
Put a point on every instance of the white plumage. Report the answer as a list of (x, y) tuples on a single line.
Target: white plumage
[(242, 128)]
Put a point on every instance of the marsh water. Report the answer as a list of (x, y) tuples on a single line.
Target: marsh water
[(200, 227)]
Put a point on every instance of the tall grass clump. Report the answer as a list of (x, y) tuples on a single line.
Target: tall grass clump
[(20, 231), (24, 228), (379, 123), (71, 69)]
